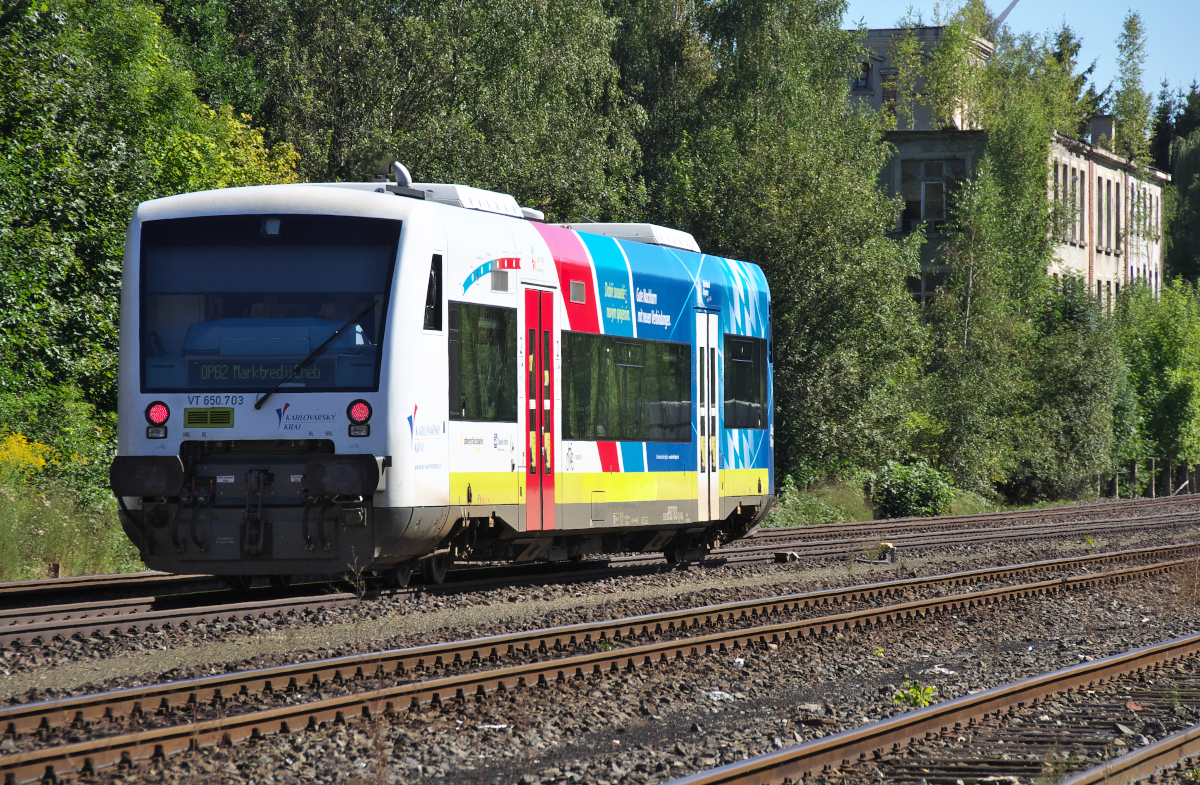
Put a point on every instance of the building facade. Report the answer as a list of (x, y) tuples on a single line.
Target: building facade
[(1110, 232)]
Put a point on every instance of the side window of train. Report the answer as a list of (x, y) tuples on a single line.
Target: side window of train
[(483, 363), (625, 389), (745, 382), (433, 295)]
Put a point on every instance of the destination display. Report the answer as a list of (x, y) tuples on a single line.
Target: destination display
[(258, 373)]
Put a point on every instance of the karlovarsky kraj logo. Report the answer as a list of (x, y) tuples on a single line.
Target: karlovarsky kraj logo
[(421, 433), (294, 422)]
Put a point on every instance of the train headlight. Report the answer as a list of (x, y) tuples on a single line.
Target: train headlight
[(359, 413), (157, 414)]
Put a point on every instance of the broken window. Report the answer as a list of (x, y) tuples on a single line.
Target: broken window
[(926, 186)]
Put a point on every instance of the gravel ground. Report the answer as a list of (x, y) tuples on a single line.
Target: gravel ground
[(102, 662), (663, 722)]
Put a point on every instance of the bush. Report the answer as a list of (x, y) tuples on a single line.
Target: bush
[(917, 490), (55, 507), (52, 435)]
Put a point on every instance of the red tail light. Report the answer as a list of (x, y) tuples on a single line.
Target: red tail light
[(157, 413), (359, 412)]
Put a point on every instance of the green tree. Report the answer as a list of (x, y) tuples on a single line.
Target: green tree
[(502, 95), (97, 114), (1088, 101), (1131, 101), (1015, 401), (905, 56), (1160, 337), (1182, 209), (773, 166)]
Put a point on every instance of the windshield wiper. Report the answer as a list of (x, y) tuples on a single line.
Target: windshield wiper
[(307, 361)]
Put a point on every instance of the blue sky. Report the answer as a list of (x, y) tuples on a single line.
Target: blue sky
[(1171, 27)]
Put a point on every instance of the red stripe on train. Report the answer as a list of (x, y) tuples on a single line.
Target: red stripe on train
[(610, 456), (571, 261)]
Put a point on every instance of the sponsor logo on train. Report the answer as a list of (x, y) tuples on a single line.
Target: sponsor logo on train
[(294, 421)]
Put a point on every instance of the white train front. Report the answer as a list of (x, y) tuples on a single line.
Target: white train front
[(322, 378)]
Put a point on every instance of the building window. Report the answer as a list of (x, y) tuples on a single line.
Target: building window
[(1077, 219), (863, 81), (887, 83), (1117, 219), (1099, 211), (1108, 217), (925, 187)]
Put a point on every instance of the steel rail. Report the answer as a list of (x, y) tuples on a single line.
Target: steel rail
[(943, 520), (107, 706), (65, 622), (87, 757), (963, 536), (841, 750), (1142, 762), (11, 589)]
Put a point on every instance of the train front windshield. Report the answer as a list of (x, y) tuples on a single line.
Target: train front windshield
[(233, 303)]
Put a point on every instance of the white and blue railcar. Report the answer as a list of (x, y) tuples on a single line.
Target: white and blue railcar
[(365, 375)]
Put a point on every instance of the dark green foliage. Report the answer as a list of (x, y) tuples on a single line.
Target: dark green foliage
[(97, 114), (914, 491), (1089, 101), (769, 164), (82, 439), (504, 95), (1161, 341), (1182, 208), (1065, 436), (1176, 116)]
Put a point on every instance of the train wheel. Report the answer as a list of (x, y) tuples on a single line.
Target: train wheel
[(671, 554), (280, 581), (434, 568), (239, 583), (399, 577)]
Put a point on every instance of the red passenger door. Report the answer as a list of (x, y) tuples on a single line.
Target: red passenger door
[(539, 383)]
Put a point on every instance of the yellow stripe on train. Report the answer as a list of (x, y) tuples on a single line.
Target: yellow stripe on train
[(576, 488)]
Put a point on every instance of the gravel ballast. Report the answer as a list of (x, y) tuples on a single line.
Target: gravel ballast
[(658, 723), (61, 667)]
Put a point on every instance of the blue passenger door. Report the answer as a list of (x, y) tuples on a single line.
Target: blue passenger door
[(708, 414)]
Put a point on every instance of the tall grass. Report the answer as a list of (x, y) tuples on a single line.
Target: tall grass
[(834, 502), (41, 525), (43, 521)]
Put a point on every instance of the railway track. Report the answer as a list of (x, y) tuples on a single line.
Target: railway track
[(31, 592), (1076, 512), (1040, 728), (835, 536), (135, 614), (170, 717)]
